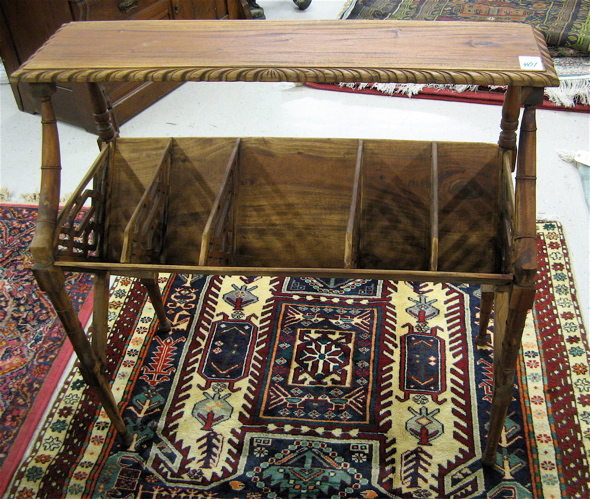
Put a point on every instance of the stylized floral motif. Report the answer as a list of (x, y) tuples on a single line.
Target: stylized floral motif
[(52, 443)]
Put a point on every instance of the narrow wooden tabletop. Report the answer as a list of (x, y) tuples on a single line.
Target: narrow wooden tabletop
[(311, 51)]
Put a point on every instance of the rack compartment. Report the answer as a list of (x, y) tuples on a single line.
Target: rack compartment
[(303, 203)]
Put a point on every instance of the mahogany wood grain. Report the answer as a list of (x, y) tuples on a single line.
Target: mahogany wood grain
[(293, 201), (307, 203), (133, 166), (365, 51)]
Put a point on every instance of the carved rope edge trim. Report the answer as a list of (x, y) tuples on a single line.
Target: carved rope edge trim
[(299, 75)]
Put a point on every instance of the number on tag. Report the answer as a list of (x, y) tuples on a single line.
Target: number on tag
[(530, 62)]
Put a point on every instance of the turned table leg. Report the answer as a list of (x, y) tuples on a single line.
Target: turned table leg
[(51, 279), (485, 311), (510, 319), (52, 282), (509, 337)]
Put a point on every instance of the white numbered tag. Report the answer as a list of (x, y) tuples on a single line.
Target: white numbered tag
[(533, 63)]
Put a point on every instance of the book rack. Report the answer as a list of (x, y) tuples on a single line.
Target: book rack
[(383, 209)]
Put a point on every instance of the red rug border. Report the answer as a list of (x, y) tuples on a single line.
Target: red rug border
[(45, 394), (19, 205), (46, 391), (489, 98)]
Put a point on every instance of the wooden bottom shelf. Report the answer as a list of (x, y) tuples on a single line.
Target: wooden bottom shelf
[(295, 203)]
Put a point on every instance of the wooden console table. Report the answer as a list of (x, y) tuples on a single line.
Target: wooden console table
[(383, 209)]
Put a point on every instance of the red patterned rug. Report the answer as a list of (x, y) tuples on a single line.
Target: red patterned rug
[(33, 353), (481, 95), (322, 388)]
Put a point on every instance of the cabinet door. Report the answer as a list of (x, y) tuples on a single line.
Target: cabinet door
[(221, 6), (183, 9), (26, 24), (205, 9), (220, 9), (118, 10)]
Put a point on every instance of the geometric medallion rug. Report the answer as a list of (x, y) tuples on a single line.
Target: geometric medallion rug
[(322, 388), (33, 347)]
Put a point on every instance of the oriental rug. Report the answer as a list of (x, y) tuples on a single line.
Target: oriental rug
[(566, 26), (459, 93), (322, 388), (33, 351)]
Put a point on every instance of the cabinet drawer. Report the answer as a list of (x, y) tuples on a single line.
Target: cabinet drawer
[(113, 10)]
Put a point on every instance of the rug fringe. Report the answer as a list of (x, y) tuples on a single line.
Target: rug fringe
[(7, 196), (571, 92), (408, 89)]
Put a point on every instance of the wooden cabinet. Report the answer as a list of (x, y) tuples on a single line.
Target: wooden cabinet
[(25, 25)]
